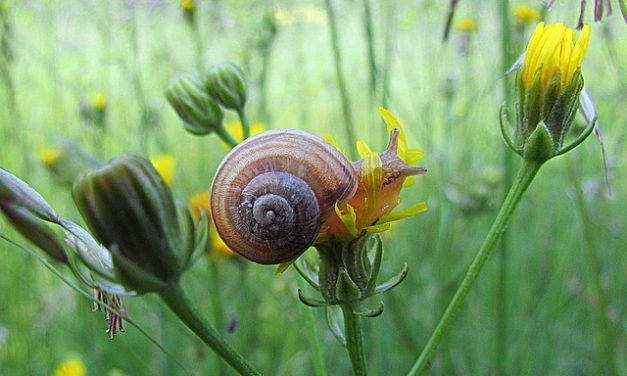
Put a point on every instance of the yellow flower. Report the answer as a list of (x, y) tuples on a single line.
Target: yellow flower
[(381, 178), (187, 5), (526, 14), (164, 164), (99, 101), (235, 129), (71, 367), (552, 52), (198, 202), (49, 156), (467, 24)]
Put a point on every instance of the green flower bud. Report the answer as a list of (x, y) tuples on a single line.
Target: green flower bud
[(34, 229), (199, 112), (225, 83), (548, 89), (131, 212), (12, 189)]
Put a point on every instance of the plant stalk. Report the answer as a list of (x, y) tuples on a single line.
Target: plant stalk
[(594, 266), (354, 340), (245, 123), (178, 301), (346, 107), (314, 341), (523, 179), (507, 60)]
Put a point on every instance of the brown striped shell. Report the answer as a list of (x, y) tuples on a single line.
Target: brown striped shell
[(273, 191)]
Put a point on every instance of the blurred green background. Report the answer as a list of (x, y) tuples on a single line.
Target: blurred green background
[(58, 55)]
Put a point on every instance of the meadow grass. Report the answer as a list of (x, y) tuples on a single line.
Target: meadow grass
[(446, 95)]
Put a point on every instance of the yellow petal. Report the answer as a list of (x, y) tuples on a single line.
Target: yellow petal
[(283, 267), (349, 219), (372, 178), (332, 141), (405, 213), (380, 227), (392, 122), (363, 149), (413, 155)]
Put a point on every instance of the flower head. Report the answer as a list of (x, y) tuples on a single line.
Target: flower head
[(71, 367), (549, 85), (467, 25), (525, 14), (187, 5), (553, 53), (381, 178), (165, 164), (198, 203), (49, 155), (99, 102)]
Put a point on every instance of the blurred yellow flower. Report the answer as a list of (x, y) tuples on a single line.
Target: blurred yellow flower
[(71, 367), (164, 164), (467, 24), (235, 129), (526, 14), (49, 156), (200, 201), (552, 52), (187, 5), (99, 101)]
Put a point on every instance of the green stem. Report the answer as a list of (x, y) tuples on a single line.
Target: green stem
[(507, 60), (594, 266), (354, 340), (372, 63), (216, 301), (226, 136), (346, 107), (522, 181), (245, 123), (316, 352), (175, 298)]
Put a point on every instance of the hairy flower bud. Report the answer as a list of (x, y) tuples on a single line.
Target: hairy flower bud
[(131, 211), (200, 113), (225, 83)]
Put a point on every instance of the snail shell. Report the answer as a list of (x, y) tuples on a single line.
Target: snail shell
[(273, 191)]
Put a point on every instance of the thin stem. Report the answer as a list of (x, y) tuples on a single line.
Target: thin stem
[(354, 340), (372, 62), (594, 266), (175, 298), (346, 107), (507, 60), (312, 331), (522, 181), (216, 300), (226, 136), (245, 123)]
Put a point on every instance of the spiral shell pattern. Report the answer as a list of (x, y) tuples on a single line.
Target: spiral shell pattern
[(272, 192)]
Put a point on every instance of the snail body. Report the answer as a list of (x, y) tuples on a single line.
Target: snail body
[(272, 192)]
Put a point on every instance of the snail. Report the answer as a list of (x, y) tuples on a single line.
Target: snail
[(272, 193)]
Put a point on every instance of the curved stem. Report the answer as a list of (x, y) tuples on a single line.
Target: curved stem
[(245, 123), (226, 136), (606, 360), (316, 352), (178, 301), (354, 340), (522, 181)]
